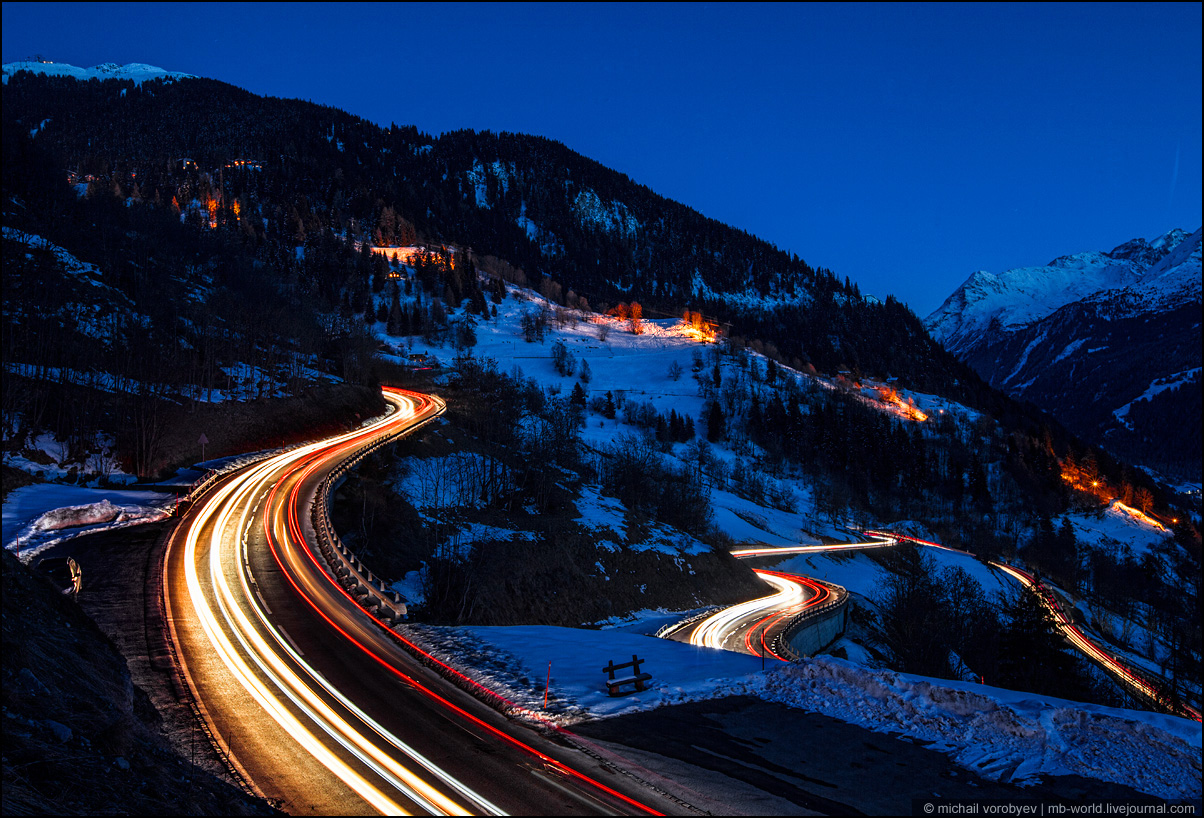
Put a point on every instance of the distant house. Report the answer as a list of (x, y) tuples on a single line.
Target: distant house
[(421, 360)]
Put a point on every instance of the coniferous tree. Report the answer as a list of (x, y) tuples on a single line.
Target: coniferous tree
[(716, 423), (1032, 657), (577, 397), (609, 410)]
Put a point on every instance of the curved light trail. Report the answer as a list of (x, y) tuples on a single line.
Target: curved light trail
[(776, 550), (1085, 645), (316, 702), (1072, 633), (750, 627)]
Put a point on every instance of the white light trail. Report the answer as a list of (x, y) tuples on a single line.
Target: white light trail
[(291, 688), (713, 631)]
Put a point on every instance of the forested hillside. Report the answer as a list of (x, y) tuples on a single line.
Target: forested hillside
[(287, 172)]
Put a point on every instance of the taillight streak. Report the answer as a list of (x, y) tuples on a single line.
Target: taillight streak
[(318, 458)]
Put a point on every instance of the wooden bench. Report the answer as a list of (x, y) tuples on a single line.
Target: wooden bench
[(615, 686)]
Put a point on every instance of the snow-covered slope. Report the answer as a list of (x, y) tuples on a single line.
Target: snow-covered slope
[(138, 72), (1108, 342)]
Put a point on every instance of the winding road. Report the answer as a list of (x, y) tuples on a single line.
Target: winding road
[(1091, 648), (320, 706), (752, 627)]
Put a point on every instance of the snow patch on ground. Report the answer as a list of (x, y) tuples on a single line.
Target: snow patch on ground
[(747, 522), (1115, 526)]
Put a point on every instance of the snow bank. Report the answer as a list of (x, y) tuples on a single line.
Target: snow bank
[(1002, 734), (999, 734), (39, 516), (72, 516)]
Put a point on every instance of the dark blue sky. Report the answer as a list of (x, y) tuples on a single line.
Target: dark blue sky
[(902, 145)]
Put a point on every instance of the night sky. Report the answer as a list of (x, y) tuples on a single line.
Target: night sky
[(902, 146)]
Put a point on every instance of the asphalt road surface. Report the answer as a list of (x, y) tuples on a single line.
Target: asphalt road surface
[(320, 706)]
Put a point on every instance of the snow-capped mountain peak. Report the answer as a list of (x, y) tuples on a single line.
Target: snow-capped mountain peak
[(1094, 338), (1021, 296), (1149, 252), (138, 72)]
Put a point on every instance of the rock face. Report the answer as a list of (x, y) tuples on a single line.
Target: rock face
[(1107, 342)]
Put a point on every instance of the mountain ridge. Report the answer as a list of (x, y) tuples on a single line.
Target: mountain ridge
[(138, 72), (1091, 337), (1022, 295)]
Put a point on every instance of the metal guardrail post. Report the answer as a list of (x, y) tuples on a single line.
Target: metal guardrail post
[(344, 564)]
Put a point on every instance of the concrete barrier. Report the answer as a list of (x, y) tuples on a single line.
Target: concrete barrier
[(818, 633), (809, 632)]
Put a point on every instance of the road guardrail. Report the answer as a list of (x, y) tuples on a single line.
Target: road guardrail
[(353, 576)]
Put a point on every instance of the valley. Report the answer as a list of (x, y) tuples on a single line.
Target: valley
[(378, 449)]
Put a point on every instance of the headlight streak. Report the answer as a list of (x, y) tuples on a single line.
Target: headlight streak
[(547, 761), (284, 529), (713, 631), (230, 498), (821, 594), (1073, 634), (1080, 641), (791, 598), (244, 675), (770, 551), (304, 697), (483, 804)]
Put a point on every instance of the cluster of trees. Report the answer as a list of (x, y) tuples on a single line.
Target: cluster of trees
[(940, 623), (666, 428), (632, 313), (634, 471), (872, 463), (164, 310)]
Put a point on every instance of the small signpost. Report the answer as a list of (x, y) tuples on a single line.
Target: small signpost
[(636, 679), (202, 440)]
